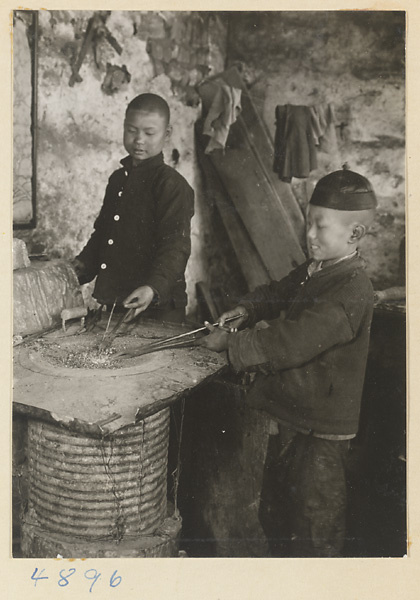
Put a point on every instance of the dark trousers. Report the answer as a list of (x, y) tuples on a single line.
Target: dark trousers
[(303, 499)]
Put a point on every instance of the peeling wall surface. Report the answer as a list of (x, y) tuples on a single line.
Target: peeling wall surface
[(81, 125), (22, 135), (354, 60)]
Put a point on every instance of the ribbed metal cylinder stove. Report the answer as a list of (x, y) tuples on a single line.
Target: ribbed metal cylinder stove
[(97, 497), (91, 496)]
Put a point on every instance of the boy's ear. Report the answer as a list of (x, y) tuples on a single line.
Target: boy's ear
[(358, 232), (168, 131)]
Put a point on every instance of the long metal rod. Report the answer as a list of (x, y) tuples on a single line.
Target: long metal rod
[(156, 348), (177, 341), (109, 336), (188, 333), (182, 335)]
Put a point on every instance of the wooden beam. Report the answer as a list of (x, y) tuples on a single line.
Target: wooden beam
[(251, 265), (245, 176), (261, 141)]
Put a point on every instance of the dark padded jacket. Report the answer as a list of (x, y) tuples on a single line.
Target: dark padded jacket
[(311, 360), (142, 234)]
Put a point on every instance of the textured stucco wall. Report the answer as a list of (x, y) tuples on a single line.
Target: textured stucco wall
[(80, 127), (356, 61), (22, 95)]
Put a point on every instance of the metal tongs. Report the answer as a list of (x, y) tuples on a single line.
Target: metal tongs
[(111, 335), (177, 341)]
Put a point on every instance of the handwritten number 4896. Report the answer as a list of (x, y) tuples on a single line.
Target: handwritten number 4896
[(64, 580)]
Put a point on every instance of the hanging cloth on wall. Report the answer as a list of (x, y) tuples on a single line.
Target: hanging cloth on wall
[(323, 126), (294, 143), (299, 131), (224, 111)]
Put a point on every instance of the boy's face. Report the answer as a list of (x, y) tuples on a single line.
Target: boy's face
[(145, 134), (329, 233)]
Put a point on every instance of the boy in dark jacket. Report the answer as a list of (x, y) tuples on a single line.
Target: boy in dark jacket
[(310, 363), (141, 240)]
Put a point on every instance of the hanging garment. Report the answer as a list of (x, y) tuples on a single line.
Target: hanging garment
[(224, 111), (323, 126), (294, 143)]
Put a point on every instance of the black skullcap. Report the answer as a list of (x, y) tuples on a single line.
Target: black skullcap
[(344, 190)]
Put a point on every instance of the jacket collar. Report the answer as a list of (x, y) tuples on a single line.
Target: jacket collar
[(349, 264), (145, 165)]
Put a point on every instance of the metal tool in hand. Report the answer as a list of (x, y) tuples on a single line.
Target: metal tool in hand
[(183, 340), (111, 335)]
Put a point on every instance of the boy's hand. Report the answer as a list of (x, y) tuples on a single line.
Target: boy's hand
[(139, 299), (238, 310), (217, 340)]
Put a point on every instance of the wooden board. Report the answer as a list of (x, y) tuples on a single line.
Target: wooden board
[(268, 219), (261, 141), (252, 267)]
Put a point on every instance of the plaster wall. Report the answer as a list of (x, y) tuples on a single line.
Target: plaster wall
[(22, 94), (354, 60)]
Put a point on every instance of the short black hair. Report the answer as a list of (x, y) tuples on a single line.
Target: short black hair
[(150, 103)]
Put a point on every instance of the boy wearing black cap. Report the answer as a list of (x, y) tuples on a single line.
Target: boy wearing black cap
[(310, 363), (141, 240)]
